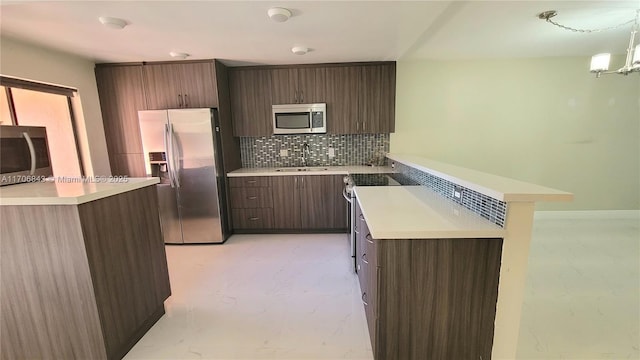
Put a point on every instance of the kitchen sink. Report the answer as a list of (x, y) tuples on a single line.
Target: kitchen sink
[(296, 169)]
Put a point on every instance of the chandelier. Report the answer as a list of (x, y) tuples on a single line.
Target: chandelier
[(600, 62)]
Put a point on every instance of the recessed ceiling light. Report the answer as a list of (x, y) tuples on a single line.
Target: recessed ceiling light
[(279, 14), (112, 22), (299, 50), (179, 55)]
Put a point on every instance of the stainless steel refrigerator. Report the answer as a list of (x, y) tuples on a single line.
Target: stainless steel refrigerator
[(182, 148)]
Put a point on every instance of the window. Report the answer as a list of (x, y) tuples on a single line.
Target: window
[(33, 104)]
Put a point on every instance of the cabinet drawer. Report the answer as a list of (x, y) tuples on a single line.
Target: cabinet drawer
[(251, 197), (249, 181), (252, 218)]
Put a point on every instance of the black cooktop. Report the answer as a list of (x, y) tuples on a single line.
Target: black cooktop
[(389, 179)]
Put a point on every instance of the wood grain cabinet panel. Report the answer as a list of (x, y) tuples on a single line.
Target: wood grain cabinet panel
[(251, 197), (252, 218), (121, 93), (341, 96), (251, 102), (298, 85), (311, 202), (180, 85), (82, 282), (376, 98), (250, 181)]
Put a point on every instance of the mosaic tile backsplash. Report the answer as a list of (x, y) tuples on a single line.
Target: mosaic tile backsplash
[(349, 149), (491, 209)]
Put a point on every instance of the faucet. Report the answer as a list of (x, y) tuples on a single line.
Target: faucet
[(305, 154)]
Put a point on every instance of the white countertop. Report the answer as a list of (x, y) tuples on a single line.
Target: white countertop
[(498, 187), (331, 170), (69, 193), (415, 212)]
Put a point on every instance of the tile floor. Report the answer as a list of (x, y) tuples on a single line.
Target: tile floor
[(294, 297)]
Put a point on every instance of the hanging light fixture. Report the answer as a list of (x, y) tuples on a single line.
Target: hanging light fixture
[(600, 62)]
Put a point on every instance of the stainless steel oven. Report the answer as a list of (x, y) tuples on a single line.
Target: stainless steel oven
[(24, 154), (354, 180)]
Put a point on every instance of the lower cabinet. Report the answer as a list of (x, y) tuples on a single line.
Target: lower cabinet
[(429, 298), (288, 203), (81, 281)]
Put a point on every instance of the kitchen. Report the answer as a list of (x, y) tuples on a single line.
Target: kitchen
[(494, 143)]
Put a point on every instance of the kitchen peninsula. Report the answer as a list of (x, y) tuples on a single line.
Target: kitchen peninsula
[(84, 271), (443, 265)]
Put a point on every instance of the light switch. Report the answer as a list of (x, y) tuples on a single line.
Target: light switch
[(284, 152)]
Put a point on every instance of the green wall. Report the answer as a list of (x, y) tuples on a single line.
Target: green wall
[(545, 120)]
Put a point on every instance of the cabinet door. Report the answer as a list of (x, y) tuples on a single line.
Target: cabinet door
[(286, 202), (311, 85), (251, 102), (376, 103), (198, 85), (321, 203), (162, 85), (284, 86), (341, 96), (121, 93)]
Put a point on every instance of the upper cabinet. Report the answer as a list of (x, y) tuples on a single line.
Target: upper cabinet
[(360, 97), (124, 89), (251, 102), (180, 85), (304, 85), (341, 89), (377, 98)]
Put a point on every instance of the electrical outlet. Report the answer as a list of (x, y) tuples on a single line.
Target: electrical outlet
[(457, 192), (393, 164), (284, 152), (332, 152)]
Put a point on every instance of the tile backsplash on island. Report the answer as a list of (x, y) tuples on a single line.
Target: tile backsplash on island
[(348, 149), (489, 208)]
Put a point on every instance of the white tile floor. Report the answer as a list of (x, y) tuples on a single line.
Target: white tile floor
[(294, 297)]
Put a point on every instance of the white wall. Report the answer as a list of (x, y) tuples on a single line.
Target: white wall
[(26, 61), (547, 121)]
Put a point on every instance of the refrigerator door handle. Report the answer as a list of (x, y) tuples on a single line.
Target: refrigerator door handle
[(176, 176), (168, 155)]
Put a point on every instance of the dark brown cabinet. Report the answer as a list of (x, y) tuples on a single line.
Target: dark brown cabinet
[(428, 298), (180, 85), (84, 281), (251, 102), (376, 99), (311, 202), (121, 93), (288, 203), (341, 89), (304, 85), (360, 97), (122, 89)]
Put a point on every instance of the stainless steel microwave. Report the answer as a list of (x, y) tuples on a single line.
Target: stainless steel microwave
[(300, 119), (24, 154)]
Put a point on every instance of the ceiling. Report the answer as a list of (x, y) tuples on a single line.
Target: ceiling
[(241, 33)]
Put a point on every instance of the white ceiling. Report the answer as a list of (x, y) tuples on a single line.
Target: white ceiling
[(240, 32)]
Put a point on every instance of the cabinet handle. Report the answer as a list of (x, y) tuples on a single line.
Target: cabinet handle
[(355, 229), (252, 197), (295, 96), (364, 258), (369, 238), (179, 100), (252, 181), (362, 217), (302, 180), (364, 298), (186, 101), (295, 181), (254, 218), (302, 96)]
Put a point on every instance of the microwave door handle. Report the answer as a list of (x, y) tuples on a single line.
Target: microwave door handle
[(32, 152), (168, 155)]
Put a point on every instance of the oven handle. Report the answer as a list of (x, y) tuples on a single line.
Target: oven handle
[(32, 152), (346, 196)]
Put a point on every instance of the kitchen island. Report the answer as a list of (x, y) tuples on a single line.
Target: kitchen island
[(443, 265), (84, 271)]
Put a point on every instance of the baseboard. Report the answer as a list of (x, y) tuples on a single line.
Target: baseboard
[(587, 214)]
